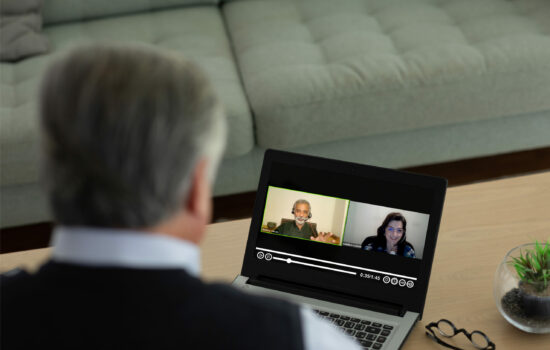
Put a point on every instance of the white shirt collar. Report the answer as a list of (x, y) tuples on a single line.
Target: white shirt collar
[(123, 248)]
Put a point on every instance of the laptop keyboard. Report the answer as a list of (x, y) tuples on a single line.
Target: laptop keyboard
[(370, 335)]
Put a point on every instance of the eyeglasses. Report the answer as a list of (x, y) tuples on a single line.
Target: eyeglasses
[(391, 229), (447, 329)]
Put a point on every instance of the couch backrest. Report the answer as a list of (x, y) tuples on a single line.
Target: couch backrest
[(59, 11)]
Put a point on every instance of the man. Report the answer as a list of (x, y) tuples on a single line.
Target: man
[(131, 141), (300, 227)]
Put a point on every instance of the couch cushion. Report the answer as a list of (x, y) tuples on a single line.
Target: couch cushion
[(198, 33), (60, 11), (325, 70), (20, 26)]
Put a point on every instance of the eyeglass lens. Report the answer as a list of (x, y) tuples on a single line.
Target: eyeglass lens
[(479, 340), (447, 329)]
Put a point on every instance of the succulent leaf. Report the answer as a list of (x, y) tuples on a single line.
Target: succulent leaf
[(533, 265)]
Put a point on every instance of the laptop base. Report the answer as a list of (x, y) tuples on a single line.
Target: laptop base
[(402, 325)]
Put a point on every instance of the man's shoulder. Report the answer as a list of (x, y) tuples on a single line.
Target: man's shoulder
[(287, 224), (14, 282), (16, 295), (285, 227), (226, 294), (223, 305), (11, 276)]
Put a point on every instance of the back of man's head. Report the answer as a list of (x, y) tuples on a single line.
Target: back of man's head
[(123, 130)]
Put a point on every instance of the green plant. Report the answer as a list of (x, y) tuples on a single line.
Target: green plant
[(533, 267)]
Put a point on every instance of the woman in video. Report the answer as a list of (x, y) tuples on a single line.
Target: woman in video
[(391, 237)]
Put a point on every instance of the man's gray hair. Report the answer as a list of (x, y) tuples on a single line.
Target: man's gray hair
[(301, 201), (123, 129)]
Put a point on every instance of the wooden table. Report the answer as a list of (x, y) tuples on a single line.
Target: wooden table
[(480, 224)]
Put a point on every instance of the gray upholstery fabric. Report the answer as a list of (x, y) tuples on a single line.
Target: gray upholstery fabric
[(197, 33), (20, 26), (23, 204), (431, 145), (325, 70), (18, 7), (60, 11)]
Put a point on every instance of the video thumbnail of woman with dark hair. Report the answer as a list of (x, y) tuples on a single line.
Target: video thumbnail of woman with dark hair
[(387, 230)]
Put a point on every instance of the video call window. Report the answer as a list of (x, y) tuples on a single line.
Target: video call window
[(386, 230), (304, 215), (341, 222)]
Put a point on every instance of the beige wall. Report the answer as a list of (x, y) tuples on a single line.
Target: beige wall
[(328, 213)]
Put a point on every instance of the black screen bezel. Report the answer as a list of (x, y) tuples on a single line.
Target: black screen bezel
[(253, 268)]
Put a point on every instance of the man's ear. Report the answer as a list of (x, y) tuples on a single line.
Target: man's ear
[(198, 204), (190, 221)]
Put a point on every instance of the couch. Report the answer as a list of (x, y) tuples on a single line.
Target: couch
[(393, 83)]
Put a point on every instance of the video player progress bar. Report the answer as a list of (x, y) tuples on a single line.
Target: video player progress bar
[(333, 263), (290, 261)]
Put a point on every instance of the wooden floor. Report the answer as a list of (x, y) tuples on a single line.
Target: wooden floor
[(239, 206)]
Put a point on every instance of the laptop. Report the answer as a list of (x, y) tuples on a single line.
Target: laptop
[(353, 242)]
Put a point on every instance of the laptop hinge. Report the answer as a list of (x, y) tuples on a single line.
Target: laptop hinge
[(328, 295)]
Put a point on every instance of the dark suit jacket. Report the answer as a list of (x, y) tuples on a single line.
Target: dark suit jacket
[(66, 306)]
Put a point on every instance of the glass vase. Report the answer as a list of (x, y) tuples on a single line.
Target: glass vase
[(525, 305)]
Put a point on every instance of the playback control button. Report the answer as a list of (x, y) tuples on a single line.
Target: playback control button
[(401, 282)]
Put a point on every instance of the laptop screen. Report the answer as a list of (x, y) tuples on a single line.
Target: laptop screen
[(345, 228)]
